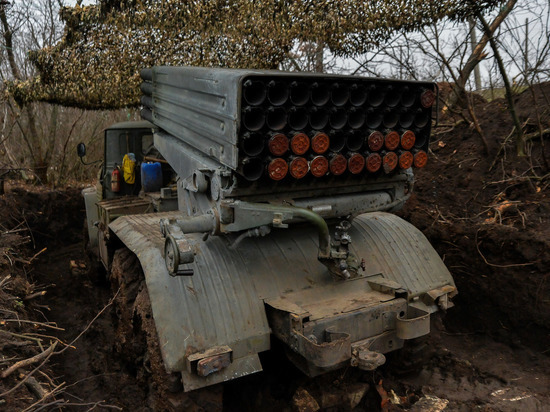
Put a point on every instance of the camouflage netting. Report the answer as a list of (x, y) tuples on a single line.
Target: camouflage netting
[(96, 65)]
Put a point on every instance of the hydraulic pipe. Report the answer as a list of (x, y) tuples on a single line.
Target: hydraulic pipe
[(197, 224), (312, 217)]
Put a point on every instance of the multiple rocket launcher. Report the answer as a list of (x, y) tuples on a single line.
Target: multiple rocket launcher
[(288, 126)]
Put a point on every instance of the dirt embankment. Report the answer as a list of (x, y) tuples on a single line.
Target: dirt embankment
[(487, 214)]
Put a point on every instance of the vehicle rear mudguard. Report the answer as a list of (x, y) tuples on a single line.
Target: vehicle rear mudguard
[(238, 296)]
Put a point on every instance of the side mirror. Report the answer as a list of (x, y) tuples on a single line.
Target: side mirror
[(81, 150)]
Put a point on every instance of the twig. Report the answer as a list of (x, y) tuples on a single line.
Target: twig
[(34, 295), (38, 253), (92, 405), (495, 265), (89, 324), (530, 136), (46, 396), (502, 146), (5, 280), (46, 325), (29, 361), (26, 377), (18, 335)]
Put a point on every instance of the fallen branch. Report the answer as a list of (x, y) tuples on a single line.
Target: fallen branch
[(46, 395), (36, 389), (29, 361), (3, 394), (530, 136)]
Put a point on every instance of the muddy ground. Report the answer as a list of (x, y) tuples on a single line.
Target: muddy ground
[(486, 214)]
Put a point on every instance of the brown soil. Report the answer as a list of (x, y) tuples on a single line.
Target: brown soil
[(486, 214)]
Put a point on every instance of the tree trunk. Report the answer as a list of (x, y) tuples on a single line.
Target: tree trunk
[(31, 137), (511, 106), (319, 54), (478, 53)]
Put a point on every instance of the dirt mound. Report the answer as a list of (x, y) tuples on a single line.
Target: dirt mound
[(29, 220), (487, 215)]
